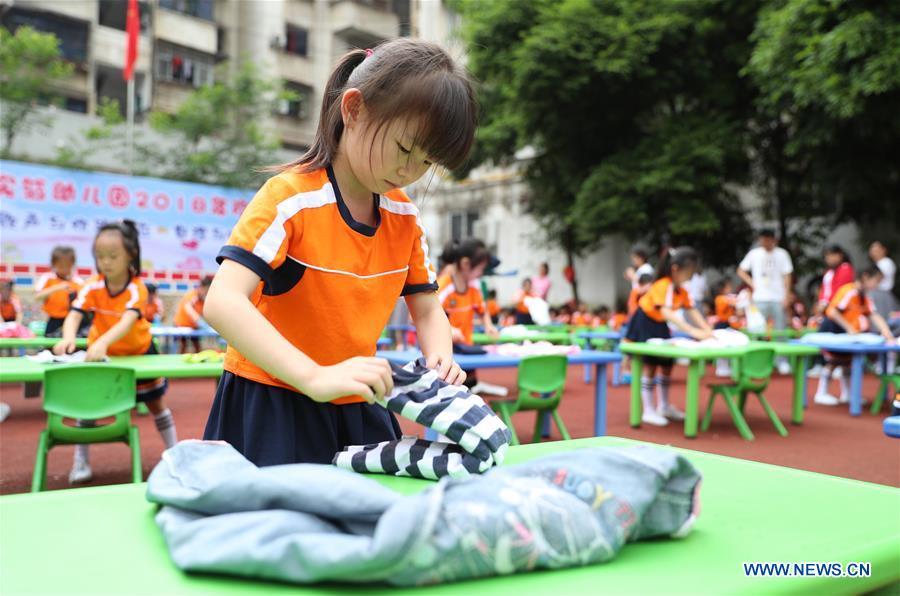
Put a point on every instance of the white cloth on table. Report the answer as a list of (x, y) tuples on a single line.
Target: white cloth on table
[(722, 338)]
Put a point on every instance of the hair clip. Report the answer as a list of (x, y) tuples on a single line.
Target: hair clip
[(369, 52)]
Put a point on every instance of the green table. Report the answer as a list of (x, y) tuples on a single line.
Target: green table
[(798, 355), (37, 342), (103, 540), (771, 334), (173, 366), (552, 337)]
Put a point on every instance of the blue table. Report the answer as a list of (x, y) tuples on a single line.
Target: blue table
[(615, 337), (586, 357), (858, 352), (170, 334)]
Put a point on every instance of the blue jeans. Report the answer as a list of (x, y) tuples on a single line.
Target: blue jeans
[(773, 311)]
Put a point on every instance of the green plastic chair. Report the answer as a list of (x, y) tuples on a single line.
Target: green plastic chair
[(542, 381), (887, 380), (87, 392), (751, 375)]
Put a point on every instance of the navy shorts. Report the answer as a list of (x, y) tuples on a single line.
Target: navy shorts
[(641, 328), (273, 425), (152, 389), (834, 358)]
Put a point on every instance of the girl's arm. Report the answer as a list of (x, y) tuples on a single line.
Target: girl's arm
[(70, 327), (836, 316), (695, 332), (883, 327), (745, 277), (229, 310), (192, 312), (45, 293), (434, 333), (98, 348), (699, 320), (489, 328), (19, 313)]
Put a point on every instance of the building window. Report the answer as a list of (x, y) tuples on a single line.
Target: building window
[(298, 107), (202, 9), (114, 13), (295, 40), (179, 65), (75, 105), (72, 34), (462, 225)]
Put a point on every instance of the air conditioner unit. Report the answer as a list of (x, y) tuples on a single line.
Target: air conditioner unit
[(277, 42)]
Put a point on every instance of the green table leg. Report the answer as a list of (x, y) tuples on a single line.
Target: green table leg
[(692, 399), (799, 386), (636, 406)]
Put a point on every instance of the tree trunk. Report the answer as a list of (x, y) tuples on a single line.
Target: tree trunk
[(570, 262)]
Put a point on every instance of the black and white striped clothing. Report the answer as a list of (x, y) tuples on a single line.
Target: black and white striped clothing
[(479, 438)]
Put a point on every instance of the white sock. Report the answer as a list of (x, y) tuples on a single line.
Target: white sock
[(662, 383), (165, 424), (824, 377), (81, 450), (647, 393), (845, 387)]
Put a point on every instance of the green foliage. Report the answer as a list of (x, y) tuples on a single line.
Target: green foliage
[(30, 66)]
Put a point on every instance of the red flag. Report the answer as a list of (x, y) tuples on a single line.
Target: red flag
[(133, 29)]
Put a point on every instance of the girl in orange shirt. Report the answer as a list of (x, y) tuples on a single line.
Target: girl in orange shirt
[(117, 298), (656, 310)]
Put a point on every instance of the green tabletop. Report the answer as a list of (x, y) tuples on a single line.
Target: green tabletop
[(36, 342), (552, 337), (104, 540), (173, 366), (798, 354)]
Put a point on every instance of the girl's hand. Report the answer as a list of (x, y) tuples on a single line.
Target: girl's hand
[(492, 332), (96, 352), (448, 369), (457, 336), (64, 346), (370, 378)]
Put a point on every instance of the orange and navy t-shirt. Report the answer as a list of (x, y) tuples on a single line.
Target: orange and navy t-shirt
[(154, 309), (182, 317), (108, 309), (618, 320), (57, 304), (852, 305), (493, 308), (328, 282), (664, 294), (520, 297), (10, 309), (725, 309), (461, 307)]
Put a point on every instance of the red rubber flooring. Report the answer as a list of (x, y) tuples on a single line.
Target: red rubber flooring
[(830, 441)]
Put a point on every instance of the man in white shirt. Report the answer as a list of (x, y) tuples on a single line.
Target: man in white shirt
[(767, 270), (883, 296)]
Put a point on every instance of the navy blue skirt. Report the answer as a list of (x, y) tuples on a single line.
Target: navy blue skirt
[(641, 328), (271, 425), (834, 358)]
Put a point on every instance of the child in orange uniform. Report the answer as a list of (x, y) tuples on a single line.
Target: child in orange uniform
[(190, 312), (155, 310), (57, 289), (117, 298), (10, 306)]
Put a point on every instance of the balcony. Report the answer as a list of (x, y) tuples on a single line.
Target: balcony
[(185, 30), (109, 47), (364, 21), (295, 68), (295, 132)]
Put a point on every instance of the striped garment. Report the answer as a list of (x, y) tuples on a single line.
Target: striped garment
[(479, 438)]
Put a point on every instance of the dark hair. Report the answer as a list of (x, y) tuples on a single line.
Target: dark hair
[(473, 249), (7, 283), (720, 286), (870, 271), (836, 249), (602, 308), (767, 233), (492, 294), (151, 288), (526, 280), (206, 281), (130, 240), (681, 257), (640, 251), (644, 279), (61, 252), (400, 78)]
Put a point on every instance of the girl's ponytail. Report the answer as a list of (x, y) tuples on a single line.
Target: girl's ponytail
[(683, 256), (331, 124)]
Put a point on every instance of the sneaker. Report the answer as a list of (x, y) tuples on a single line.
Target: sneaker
[(815, 372), (784, 368), (838, 373), (824, 399), (844, 399), (81, 472), (489, 389), (653, 418), (672, 413), (4, 411)]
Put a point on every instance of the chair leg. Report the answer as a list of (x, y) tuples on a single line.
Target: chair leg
[(507, 420), (772, 415), (541, 415), (879, 397), (738, 418), (134, 441), (39, 477), (742, 401), (707, 418), (561, 425)]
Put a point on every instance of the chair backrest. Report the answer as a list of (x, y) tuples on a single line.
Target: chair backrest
[(89, 391), (756, 365), (542, 374)]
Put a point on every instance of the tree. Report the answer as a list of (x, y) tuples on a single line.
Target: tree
[(30, 67), (635, 110), (826, 124)]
